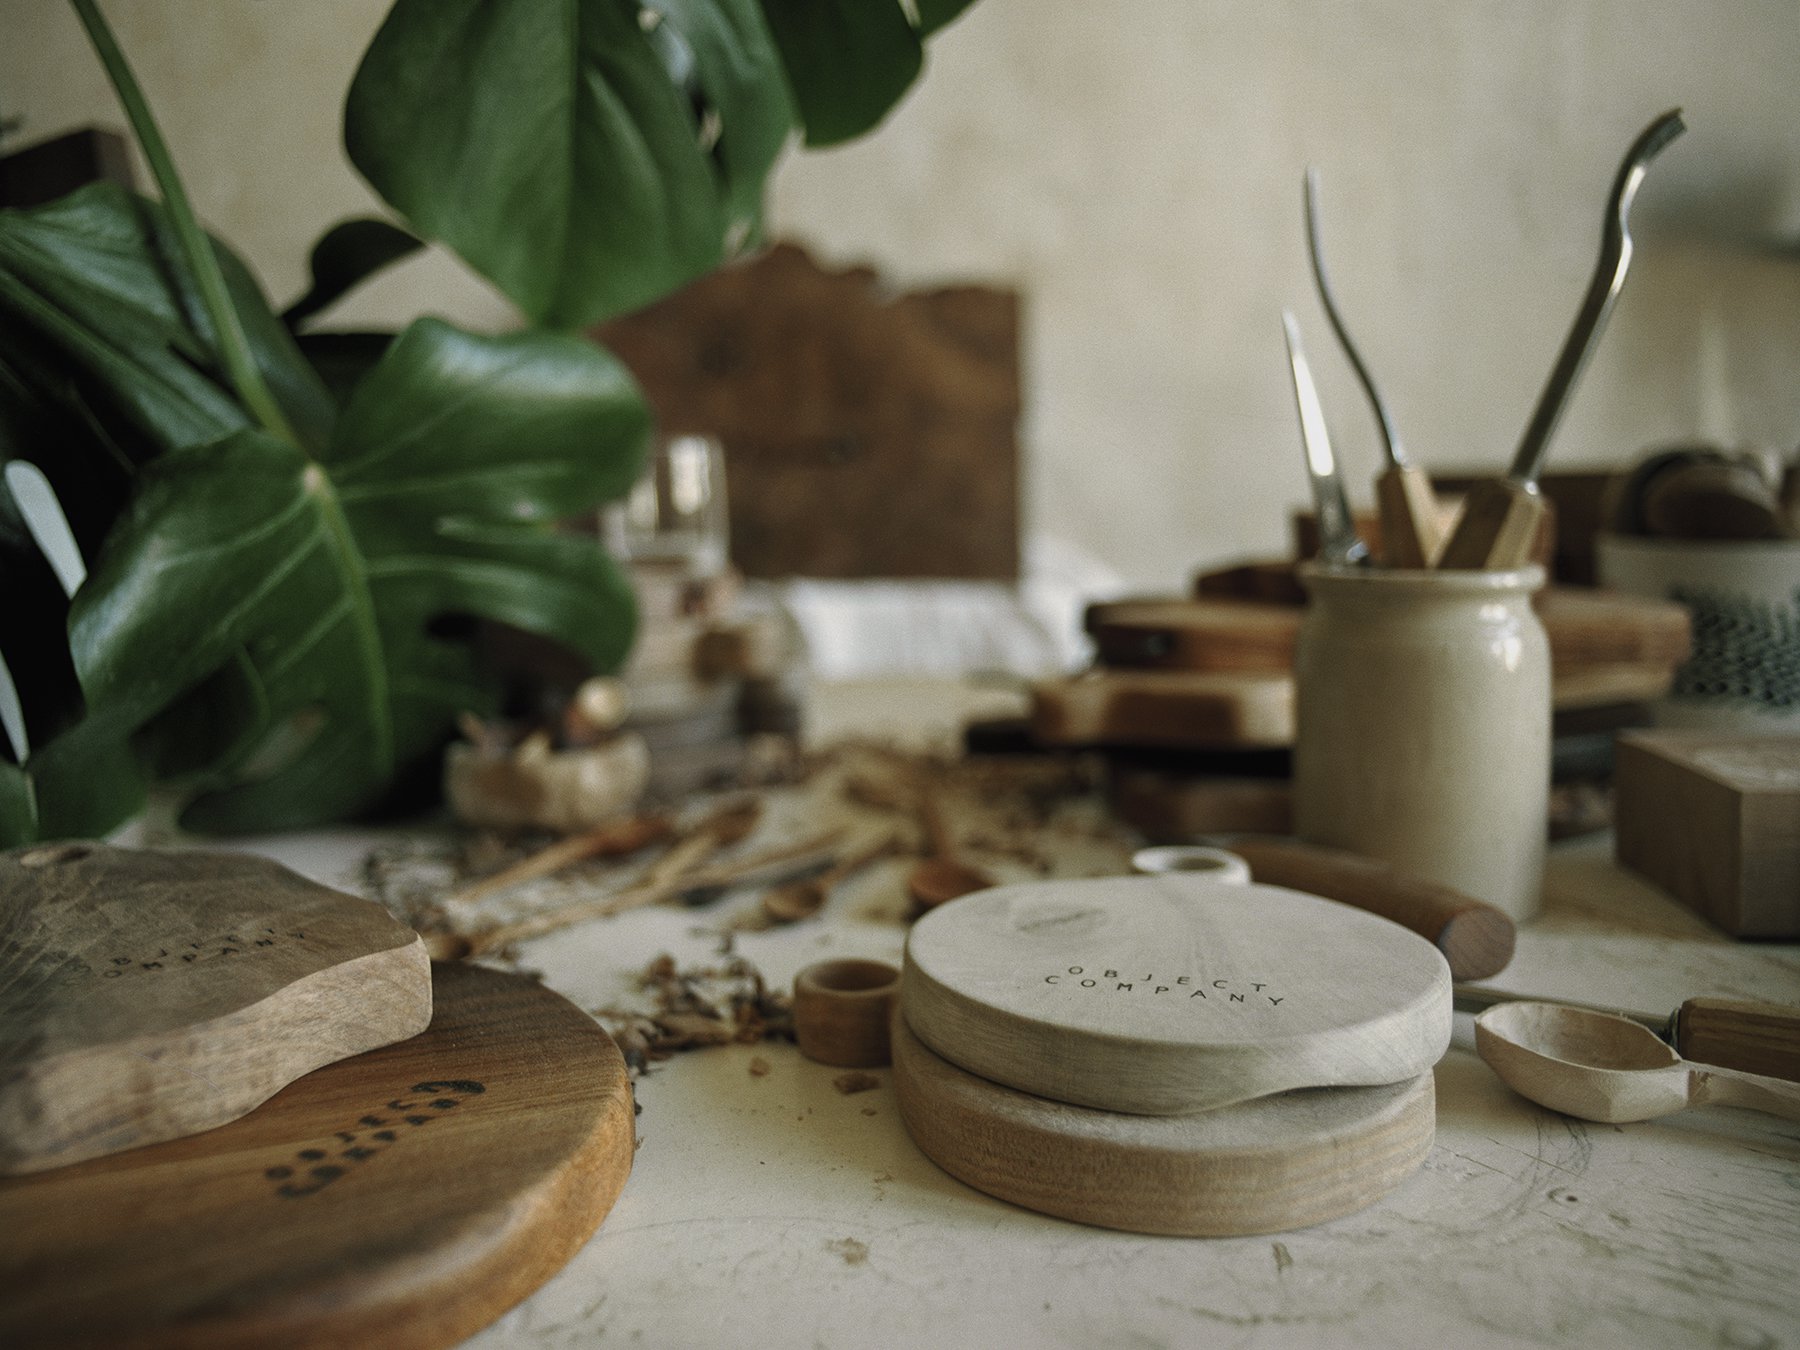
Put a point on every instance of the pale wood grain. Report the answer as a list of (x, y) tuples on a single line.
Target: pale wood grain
[(1497, 528), (1412, 532), (1173, 993), (146, 995), (1257, 1167), (402, 1199)]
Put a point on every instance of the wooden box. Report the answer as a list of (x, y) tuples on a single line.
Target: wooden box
[(1715, 820)]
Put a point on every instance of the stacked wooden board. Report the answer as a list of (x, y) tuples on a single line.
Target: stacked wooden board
[(1192, 698), (1170, 1054)]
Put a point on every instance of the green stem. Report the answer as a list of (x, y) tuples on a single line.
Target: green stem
[(240, 366)]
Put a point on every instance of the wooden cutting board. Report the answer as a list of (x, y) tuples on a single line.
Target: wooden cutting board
[(1164, 708), (1262, 1166), (1173, 634), (1168, 994), (146, 995), (404, 1198)]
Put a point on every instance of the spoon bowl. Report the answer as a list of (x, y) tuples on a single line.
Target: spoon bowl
[(1602, 1067)]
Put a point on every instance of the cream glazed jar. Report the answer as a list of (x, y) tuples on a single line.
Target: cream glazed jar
[(1423, 732)]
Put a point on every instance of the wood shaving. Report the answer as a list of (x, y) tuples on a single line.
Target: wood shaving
[(855, 1081), (759, 1067), (728, 1004)]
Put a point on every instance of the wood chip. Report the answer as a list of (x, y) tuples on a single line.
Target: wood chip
[(854, 1082), (759, 1067)]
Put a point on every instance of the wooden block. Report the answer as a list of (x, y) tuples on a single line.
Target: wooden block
[(1172, 807), (1210, 635), (1258, 1167), (147, 995), (1164, 708), (403, 1199), (1715, 821), (1165, 994), (1588, 627)]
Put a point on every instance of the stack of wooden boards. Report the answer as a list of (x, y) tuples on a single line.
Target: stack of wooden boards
[(438, 1142), (704, 676), (1202, 688), (1170, 1054)]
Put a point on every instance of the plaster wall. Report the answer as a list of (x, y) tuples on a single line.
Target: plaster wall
[(1134, 169)]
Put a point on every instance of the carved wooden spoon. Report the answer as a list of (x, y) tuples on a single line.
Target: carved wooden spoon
[(940, 876), (1599, 1066)]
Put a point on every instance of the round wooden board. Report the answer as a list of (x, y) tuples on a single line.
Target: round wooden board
[(402, 1198), (1265, 1166), (1167, 994)]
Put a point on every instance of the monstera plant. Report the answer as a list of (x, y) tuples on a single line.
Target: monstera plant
[(281, 535)]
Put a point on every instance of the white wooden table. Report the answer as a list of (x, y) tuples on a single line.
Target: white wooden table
[(772, 1209)]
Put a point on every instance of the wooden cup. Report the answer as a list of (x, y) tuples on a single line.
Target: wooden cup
[(841, 1012)]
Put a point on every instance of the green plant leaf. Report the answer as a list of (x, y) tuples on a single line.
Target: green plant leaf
[(18, 807), (936, 14), (848, 62), (89, 281), (589, 156), (326, 577), (346, 255)]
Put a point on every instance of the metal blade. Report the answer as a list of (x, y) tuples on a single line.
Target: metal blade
[(1338, 540)]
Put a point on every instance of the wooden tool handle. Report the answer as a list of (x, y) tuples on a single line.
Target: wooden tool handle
[(1410, 533), (1726, 1087), (1475, 937), (1759, 1038), (1499, 522)]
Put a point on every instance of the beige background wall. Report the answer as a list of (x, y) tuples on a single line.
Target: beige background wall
[(1134, 168)]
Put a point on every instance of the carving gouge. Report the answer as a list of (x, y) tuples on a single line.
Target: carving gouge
[(1338, 541), (1501, 517), (1410, 533), (1761, 1038)]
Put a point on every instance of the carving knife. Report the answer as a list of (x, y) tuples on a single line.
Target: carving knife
[(1338, 541), (1410, 533)]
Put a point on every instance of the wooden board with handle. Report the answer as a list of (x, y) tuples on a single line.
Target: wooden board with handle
[(149, 994), (1263, 1166), (404, 1198), (1166, 994)]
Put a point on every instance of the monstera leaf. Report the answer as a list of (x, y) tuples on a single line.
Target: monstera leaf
[(589, 156), (310, 588)]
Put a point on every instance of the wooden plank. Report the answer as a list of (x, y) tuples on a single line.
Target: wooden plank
[(865, 434)]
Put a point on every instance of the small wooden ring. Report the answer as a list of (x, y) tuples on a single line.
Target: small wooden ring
[(1216, 864), (841, 1012)]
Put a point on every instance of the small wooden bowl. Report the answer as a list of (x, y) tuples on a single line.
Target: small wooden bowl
[(841, 1012)]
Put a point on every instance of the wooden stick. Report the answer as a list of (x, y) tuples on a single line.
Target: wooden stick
[(455, 946), (611, 839)]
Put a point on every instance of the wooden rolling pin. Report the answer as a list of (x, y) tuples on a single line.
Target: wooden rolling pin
[(1475, 937)]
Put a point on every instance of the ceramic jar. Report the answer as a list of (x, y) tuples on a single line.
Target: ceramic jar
[(1424, 725)]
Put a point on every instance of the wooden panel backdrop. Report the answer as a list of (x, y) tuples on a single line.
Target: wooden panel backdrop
[(867, 434)]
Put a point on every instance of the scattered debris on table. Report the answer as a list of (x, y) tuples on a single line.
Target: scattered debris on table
[(855, 1081), (693, 1009)]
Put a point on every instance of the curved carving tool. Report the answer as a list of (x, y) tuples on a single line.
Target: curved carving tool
[(1410, 533), (1501, 516), (1338, 541)]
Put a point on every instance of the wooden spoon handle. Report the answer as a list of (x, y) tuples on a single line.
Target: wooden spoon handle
[(1725, 1087), (1758, 1038), (1475, 937)]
